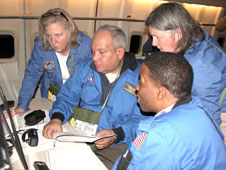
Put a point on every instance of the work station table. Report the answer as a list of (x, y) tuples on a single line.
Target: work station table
[(57, 155), (60, 155)]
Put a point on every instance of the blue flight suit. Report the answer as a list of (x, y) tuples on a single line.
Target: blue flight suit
[(45, 63), (208, 61), (184, 138), (84, 88)]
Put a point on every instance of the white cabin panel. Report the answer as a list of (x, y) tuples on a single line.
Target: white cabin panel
[(115, 12)]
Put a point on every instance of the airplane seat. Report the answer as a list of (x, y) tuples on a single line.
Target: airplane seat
[(148, 49)]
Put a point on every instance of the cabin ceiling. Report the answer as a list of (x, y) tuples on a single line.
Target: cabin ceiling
[(219, 3)]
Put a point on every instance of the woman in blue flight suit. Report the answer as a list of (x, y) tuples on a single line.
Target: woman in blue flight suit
[(174, 30), (55, 55)]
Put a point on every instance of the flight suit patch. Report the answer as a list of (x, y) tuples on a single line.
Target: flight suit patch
[(90, 80), (130, 88), (139, 140), (49, 65)]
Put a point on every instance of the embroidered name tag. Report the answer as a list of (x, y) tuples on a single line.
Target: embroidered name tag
[(49, 65), (130, 88)]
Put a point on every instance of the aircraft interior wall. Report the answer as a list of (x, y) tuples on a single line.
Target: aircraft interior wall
[(89, 15)]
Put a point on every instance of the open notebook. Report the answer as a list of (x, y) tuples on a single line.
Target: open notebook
[(77, 137)]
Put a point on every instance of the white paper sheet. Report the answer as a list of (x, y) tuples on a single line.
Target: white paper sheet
[(71, 158)]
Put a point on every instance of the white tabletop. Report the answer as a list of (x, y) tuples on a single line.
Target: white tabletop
[(57, 155)]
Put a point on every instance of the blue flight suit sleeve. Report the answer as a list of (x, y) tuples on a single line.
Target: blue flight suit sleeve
[(85, 44), (45, 86), (208, 61), (131, 124), (207, 80), (31, 77)]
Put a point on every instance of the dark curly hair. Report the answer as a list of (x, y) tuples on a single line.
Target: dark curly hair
[(172, 71)]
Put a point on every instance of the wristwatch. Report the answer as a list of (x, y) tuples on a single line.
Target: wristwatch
[(116, 140), (119, 134)]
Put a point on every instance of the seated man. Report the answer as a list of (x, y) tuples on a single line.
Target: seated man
[(183, 134), (103, 86)]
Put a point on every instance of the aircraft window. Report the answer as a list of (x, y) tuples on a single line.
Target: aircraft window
[(6, 46), (135, 43)]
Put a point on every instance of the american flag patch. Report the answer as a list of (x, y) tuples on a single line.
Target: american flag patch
[(139, 140)]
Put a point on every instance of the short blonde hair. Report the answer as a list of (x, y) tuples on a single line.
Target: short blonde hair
[(57, 15)]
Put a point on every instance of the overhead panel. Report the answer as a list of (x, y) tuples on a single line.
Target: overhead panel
[(84, 9)]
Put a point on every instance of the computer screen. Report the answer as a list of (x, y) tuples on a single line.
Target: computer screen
[(12, 135)]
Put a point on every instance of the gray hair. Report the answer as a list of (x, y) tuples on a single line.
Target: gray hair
[(57, 15), (170, 16), (117, 35)]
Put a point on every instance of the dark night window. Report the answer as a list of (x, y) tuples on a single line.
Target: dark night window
[(221, 41), (6, 46), (135, 43)]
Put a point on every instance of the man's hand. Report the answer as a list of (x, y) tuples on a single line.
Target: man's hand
[(105, 142), (55, 125)]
